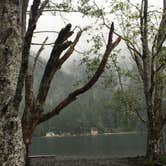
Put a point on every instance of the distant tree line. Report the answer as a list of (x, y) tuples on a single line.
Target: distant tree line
[(102, 107)]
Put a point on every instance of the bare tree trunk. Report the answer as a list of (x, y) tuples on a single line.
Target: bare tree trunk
[(34, 111), (12, 149)]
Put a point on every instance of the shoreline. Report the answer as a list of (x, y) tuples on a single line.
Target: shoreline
[(89, 134), (86, 161)]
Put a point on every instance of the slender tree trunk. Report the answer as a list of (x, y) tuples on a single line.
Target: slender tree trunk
[(24, 6), (12, 149), (27, 159)]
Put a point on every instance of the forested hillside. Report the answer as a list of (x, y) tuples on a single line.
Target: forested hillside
[(104, 107)]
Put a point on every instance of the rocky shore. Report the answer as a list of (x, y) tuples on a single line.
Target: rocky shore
[(85, 161)]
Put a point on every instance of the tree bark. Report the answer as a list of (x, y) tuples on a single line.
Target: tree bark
[(154, 142), (27, 159), (12, 149)]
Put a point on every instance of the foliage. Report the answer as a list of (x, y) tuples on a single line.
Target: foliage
[(160, 161), (142, 27), (149, 163)]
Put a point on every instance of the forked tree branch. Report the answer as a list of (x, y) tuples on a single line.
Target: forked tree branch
[(73, 96), (55, 62), (71, 48)]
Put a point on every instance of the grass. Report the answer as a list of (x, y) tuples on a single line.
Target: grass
[(161, 160)]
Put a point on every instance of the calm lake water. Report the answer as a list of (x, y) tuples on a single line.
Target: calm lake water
[(116, 145)]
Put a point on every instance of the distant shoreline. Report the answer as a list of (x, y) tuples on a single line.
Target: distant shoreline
[(88, 134)]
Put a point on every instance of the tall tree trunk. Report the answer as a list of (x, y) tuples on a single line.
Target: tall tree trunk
[(154, 143), (155, 117), (154, 140), (12, 149)]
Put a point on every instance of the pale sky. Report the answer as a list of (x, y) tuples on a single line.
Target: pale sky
[(55, 23)]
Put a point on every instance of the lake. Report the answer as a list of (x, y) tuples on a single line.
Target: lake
[(115, 145)]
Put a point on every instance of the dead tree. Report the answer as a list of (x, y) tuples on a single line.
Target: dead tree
[(15, 41)]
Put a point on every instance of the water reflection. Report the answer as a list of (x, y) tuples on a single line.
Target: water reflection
[(102, 145)]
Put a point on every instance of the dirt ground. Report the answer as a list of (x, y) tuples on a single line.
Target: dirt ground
[(85, 161)]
